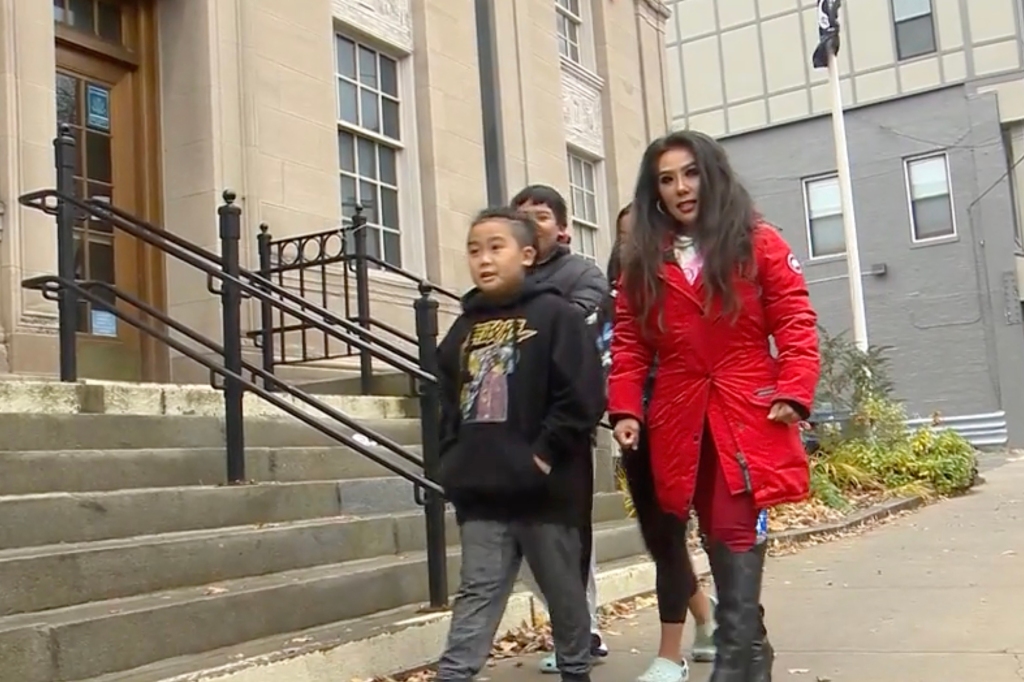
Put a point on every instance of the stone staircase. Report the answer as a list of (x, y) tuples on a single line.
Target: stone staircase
[(123, 557)]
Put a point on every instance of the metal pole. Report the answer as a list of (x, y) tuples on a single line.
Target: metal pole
[(362, 297), (490, 103), (430, 429), (860, 324), (231, 309), (266, 308), (67, 302)]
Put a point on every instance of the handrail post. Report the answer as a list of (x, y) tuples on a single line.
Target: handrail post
[(425, 308), (362, 297), (67, 302), (231, 308), (266, 307)]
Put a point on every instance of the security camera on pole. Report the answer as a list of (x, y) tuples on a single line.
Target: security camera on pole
[(825, 56)]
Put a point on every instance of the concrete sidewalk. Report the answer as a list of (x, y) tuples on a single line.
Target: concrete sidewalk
[(936, 595)]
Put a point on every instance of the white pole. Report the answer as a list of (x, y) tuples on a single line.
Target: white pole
[(860, 323)]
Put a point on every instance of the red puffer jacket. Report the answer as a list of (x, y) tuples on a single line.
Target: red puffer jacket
[(714, 370)]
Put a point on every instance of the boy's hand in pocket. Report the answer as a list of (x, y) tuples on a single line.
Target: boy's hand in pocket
[(542, 465)]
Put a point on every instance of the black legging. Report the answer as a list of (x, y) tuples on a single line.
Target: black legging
[(664, 535)]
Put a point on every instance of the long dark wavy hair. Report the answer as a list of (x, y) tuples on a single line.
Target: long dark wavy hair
[(725, 222)]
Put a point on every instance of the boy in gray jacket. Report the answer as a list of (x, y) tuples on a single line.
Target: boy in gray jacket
[(580, 282)]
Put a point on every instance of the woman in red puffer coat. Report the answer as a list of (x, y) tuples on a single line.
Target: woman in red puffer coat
[(705, 287)]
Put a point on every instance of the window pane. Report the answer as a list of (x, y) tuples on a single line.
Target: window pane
[(388, 76), (67, 99), (590, 208), (928, 177), (367, 67), (391, 123), (910, 9), (58, 11), (348, 102), (347, 151), (574, 52), (827, 236), (933, 217), (349, 198), (575, 171), (388, 168), (372, 241), (80, 15), (97, 155), (346, 57), (563, 45), (108, 24), (577, 201), (823, 198), (588, 177), (368, 198), (369, 106), (915, 37), (367, 158), (101, 260), (393, 248), (389, 208)]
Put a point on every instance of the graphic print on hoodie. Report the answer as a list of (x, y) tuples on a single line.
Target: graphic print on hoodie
[(491, 352), (514, 384)]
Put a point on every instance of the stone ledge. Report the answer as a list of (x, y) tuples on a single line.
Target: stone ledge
[(875, 513), (101, 397)]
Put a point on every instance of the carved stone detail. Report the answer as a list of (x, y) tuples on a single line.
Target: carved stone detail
[(581, 110), (386, 20)]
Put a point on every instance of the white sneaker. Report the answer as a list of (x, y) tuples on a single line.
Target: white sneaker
[(704, 638), (664, 670)]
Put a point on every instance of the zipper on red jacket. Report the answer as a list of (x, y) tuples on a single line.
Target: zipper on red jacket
[(746, 472)]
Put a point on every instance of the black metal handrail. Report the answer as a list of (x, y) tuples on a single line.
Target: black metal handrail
[(256, 287), (51, 285), (315, 253), (235, 285)]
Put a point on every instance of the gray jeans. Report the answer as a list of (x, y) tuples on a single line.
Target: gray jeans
[(492, 553)]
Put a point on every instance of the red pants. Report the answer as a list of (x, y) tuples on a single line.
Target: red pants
[(723, 517)]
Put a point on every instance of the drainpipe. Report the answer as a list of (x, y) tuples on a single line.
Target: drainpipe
[(490, 103)]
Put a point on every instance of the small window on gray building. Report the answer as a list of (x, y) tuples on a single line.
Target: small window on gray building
[(931, 204), (824, 217), (915, 28)]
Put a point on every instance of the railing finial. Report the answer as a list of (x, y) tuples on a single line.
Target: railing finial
[(264, 228), (426, 288), (229, 196), (64, 130)]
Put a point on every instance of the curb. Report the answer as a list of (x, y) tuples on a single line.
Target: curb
[(860, 518)]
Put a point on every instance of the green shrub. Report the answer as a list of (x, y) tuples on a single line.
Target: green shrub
[(877, 452)]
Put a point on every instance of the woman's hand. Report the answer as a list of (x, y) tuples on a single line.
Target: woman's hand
[(627, 433), (783, 413)]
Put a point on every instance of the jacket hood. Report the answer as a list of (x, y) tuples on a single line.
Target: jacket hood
[(560, 250), (475, 301)]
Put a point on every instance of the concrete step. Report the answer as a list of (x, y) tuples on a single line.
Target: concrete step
[(374, 646), (89, 640), (49, 518), (62, 432), (108, 470), (55, 576)]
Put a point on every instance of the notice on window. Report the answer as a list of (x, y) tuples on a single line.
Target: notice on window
[(103, 323), (97, 107)]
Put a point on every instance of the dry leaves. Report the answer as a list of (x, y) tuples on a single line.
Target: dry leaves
[(527, 639)]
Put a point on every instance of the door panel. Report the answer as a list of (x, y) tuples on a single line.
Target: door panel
[(95, 100)]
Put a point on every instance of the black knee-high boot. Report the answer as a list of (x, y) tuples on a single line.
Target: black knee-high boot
[(739, 625), (764, 654)]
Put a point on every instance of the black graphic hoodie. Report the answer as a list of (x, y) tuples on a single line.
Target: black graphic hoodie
[(519, 378)]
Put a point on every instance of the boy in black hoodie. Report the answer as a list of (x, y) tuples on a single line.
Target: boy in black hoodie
[(515, 445)]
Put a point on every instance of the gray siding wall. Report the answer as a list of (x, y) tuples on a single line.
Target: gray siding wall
[(958, 344)]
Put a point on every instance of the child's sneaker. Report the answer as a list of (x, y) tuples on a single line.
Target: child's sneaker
[(664, 670), (598, 649), (704, 638)]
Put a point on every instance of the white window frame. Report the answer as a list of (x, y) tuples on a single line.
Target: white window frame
[(897, 21), (586, 224), (584, 31), (406, 151), (907, 163), (806, 184)]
